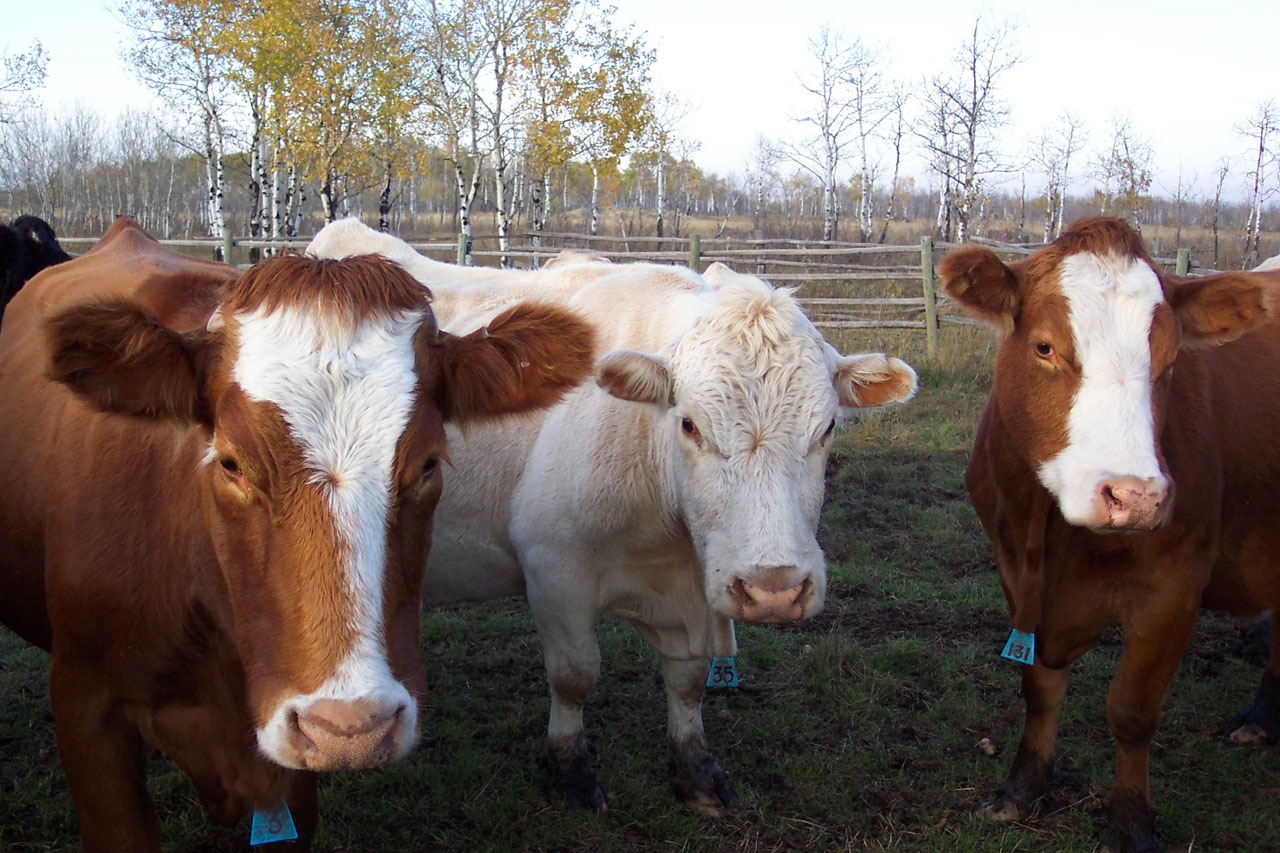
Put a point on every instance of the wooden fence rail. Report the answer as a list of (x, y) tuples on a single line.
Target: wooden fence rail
[(786, 262)]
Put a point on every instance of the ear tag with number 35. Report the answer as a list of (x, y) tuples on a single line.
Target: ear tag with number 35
[(723, 673)]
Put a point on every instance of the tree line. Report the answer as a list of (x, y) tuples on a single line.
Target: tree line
[(281, 114)]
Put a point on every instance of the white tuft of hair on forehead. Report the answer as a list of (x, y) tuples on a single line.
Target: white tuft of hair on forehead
[(1111, 427), (346, 392)]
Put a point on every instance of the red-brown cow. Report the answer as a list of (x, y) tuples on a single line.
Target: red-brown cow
[(1124, 470), (215, 495)]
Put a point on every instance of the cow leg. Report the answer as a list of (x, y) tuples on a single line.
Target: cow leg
[(303, 807), (567, 630), (1260, 722), (1153, 649), (103, 757), (698, 781), (1043, 690)]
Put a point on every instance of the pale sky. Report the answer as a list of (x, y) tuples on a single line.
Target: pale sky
[(1186, 72)]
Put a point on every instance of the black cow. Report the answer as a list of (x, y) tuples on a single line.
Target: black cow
[(27, 245)]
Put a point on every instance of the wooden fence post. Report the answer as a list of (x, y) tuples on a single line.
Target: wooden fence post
[(462, 249), (930, 298), (1184, 261), (695, 253), (228, 241)]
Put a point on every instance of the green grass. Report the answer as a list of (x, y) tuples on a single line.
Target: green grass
[(854, 731)]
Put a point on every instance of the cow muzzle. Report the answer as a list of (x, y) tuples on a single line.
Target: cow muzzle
[(1131, 503), (772, 595), (336, 734)]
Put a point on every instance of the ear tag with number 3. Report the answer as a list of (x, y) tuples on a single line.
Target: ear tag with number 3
[(1020, 648), (723, 673), (273, 824)]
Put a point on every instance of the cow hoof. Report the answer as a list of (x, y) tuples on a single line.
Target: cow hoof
[(570, 778), (710, 795), (1131, 824), (586, 796), (1117, 841), (1254, 734), (699, 783), (1003, 809)]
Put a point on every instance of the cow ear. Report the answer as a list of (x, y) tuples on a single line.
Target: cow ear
[(978, 280), (119, 357), (635, 376), (526, 359), (873, 379), (1219, 308), (717, 274)]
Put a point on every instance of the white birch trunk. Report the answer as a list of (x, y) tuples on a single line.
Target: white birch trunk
[(662, 189), (595, 199)]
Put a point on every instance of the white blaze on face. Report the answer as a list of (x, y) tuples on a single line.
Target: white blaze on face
[(346, 396), (1110, 429), (752, 493)]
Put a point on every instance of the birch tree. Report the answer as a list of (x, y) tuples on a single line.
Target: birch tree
[(1260, 129), (589, 88), (176, 52), (457, 59), (964, 99), (863, 69), (1221, 170), (1123, 170), (20, 74), (1052, 151), (832, 122), (894, 131)]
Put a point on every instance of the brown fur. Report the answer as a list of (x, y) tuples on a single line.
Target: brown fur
[(180, 598), (525, 359), (1215, 416), (350, 289)]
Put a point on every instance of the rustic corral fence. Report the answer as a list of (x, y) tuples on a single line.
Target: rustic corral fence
[(841, 285)]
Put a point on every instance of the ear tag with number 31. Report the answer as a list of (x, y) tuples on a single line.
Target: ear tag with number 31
[(273, 824), (1020, 648)]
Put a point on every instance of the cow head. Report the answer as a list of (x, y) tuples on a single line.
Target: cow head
[(1090, 334), (752, 394), (320, 390)]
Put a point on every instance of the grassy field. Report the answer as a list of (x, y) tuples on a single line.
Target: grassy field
[(855, 731)]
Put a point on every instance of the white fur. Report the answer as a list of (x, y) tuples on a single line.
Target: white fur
[(1111, 428), (345, 394)]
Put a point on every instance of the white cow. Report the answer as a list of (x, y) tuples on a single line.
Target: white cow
[(681, 491)]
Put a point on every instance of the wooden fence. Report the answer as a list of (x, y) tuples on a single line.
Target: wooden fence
[(807, 265)]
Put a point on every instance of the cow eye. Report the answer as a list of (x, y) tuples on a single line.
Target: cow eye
[(1044, 349), (689, 428), (229, 465), (429, 467), (830, 428)]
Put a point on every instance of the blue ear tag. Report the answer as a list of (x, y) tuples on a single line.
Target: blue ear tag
[(723, 673), (1020, 648), (273, 824)]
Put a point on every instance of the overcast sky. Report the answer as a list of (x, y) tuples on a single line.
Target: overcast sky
[(1186, 72)]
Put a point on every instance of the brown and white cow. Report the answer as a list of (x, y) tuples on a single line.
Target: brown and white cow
[(215, 494), (1124, 471)]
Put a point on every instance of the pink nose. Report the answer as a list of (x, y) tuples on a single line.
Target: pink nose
[(771, 597), (1131, 503), (332, 734)]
